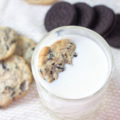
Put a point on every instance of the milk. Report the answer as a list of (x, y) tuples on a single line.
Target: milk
[(79, 90), (85, 76)]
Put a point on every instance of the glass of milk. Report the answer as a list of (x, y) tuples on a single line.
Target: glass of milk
[(79, 90)]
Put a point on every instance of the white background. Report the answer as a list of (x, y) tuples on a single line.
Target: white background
[(28, 20)]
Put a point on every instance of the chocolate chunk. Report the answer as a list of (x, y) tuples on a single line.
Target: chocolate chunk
[(60, 64), (41, 71), (50, 55), (33, 48), (3, 65), (51, 72), (7, 47), (12, 94), (85, 14), (60, 14), (23, 86), (75, 55), (8, 88), (13, 41), (53, 63), (59, 67)]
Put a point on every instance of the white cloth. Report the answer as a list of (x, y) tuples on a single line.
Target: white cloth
[(28, 20)]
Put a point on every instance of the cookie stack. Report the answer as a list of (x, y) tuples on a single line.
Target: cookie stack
[(99, 18), (15, 73)]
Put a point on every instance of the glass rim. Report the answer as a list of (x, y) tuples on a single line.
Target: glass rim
[(105, 44)]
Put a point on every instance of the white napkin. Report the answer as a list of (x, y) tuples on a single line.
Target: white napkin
[(29, 20)]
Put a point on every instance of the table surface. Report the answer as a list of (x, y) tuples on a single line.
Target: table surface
[(28, 20)]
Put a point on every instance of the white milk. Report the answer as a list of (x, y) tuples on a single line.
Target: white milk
[(79, 90), (85, 76)]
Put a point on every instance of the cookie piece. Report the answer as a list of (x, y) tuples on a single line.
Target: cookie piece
[(105, 18), (41, 2), (85, 14), (15, 79), (60, 14), (7, 42), (52, 59), (28, 54), (25, 48), (114, 38)]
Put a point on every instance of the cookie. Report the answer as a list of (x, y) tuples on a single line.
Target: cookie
[(105, 18), (41, 2), (60, 14), (28, 54), (15, 79), (85, 14), (7, 42), (114, 38), (25, 48), (52, 59)]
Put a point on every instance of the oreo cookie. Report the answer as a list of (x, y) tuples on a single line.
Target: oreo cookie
[(60, 14), (85, 14), (105, 19), (113, 38)]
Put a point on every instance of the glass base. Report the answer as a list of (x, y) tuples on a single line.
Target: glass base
[(91, 116)]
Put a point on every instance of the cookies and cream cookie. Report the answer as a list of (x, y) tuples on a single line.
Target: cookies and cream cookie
[(7, 42), (15, 79), (52, 59), (42, 2), (25, 48)]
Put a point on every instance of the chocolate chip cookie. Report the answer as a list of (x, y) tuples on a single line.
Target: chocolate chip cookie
[(42, 2), (15, 79), (7, 42), (52, 59), (25, 48)]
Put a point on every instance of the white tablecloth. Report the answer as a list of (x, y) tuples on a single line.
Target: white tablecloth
[(28, 20)]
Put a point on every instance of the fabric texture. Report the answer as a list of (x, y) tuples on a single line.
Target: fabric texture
[(28, 20)]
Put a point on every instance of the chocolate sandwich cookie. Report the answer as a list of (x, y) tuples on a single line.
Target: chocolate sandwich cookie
[(85, 14), (60, 14), (114, 37), (105, 19)]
